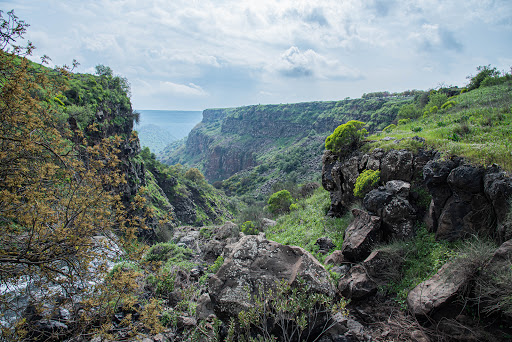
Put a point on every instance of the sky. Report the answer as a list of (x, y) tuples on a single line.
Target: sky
[(198, 54)]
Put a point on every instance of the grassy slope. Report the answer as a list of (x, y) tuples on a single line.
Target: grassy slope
[(478, 127), (302, 227)]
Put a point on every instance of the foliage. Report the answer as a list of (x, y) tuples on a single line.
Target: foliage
[(291, 312), (423, 257), (366, 181), (217, 264), (345, 136), (248, 228), (194, 175), (304, 226), (484, 72), (477, 127), (168, 251), (389, 128), (279, 202), (409, 111)]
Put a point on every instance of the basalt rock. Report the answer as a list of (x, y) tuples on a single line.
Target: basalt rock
[(439, 291), (254, 263), (361, 235)]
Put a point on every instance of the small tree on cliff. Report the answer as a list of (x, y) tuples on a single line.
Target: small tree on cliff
[(346, 137)]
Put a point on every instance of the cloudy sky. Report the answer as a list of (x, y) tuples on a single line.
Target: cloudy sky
[(197, 54)]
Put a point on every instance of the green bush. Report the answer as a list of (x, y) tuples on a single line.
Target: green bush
[(389, 128), (409, 111), (290, 312), (168, 251), (248, 228), (366, 181), (280, 202), (403, 121), (448, 104), (345, 136), (194, 175)]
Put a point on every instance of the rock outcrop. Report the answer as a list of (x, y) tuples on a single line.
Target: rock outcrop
[(254, 263), (465, 199)]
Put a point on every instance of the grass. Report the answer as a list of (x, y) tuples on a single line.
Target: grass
[(423, 257), (302, 227), (477, 127)]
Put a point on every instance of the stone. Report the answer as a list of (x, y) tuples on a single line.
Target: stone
[(397, 165), (254, 263), (399, 188), (498, 188), (384, 265), (357, 284), (440, 290), (503, 253), (336, 258), (398, 218), (325, 244), (185, 321), (227, 230), (204, 307), (267, 223), (361, 235)]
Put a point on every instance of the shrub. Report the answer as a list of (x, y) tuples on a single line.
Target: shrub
[(417, 129), (290, 312), (409, 111), (166, 251), (217, 264), (280, 202), (389, 128), (194, 175), (345, 136), (366, 181), (448, 104), (403, 121), (248, 228), (484, 71)]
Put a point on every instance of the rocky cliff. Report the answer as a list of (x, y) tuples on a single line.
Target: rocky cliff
[(234, 140), (455, 201)]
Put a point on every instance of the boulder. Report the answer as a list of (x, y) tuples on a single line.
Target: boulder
[(498, 188), (439, 291), (227, 230), (336, 258), (325, 245), (391, 204), (204, 307), (383, 265), (397, 164), (267, 223), (361, 235), (357, 283), (254, 263), (435, 175)]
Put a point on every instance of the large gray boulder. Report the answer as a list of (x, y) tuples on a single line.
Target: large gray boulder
[(361, 235), (498, 188), (255, 263), (439, 291), (391, 204), (397, 164)]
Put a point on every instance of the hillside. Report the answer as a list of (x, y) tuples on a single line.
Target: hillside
[(258, 146)]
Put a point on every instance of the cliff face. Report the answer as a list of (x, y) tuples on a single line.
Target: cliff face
[(231, 140)]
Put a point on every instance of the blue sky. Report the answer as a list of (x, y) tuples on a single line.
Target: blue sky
[(197, 54)]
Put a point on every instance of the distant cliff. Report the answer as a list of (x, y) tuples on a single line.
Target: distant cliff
[(234, 140)]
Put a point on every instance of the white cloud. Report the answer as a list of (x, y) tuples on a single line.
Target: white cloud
[(295, 63), (190, 89), (180, 44)]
